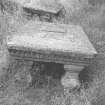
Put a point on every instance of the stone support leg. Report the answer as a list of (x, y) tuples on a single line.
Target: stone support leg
[(70, 79), (22, 76)]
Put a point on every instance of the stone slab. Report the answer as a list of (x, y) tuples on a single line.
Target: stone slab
[(53, 40)]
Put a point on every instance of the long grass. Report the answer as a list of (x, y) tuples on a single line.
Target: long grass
[(92, 19)]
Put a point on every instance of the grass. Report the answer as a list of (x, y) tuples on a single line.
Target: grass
[(92, 19)]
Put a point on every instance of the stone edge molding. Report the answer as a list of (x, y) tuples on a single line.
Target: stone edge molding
[(45, 57)]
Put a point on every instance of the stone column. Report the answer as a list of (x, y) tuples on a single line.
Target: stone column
[(22, 77), (70, 79)]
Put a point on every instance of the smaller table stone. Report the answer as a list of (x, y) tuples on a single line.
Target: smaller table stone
[(40, 6)]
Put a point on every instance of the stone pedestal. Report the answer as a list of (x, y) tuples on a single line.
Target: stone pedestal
[(70, 79)]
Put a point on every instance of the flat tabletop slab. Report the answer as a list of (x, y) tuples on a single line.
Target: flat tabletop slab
[(52, 38)]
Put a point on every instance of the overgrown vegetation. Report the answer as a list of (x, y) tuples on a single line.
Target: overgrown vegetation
[(92, 92)]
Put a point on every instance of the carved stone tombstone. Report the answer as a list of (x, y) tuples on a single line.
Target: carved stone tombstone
[(41, 10), (58, 43)]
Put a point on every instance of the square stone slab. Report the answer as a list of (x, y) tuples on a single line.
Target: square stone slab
[(51, 42)]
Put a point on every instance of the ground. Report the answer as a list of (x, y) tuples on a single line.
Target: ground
[(92, 19)]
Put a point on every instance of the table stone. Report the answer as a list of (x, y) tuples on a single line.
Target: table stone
[(58, 43)]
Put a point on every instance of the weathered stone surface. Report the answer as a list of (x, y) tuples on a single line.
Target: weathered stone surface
[(58, 42)]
